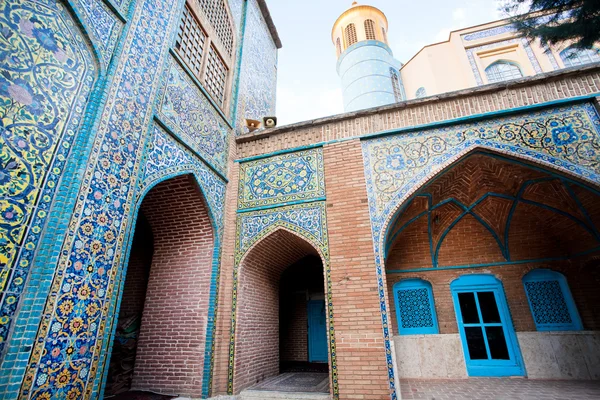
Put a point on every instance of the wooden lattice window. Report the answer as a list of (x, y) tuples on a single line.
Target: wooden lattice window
[(216, 76), (370, 29), (207, 52), (350, 35), (216, 12), (338, 46), (384, 35), (190, 42)]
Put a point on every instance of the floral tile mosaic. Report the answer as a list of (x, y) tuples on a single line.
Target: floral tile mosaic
[(46, 75), (257, 90), (188, 113), (282, 179), (70, 346), (102, 23)]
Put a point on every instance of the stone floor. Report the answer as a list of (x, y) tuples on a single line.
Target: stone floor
[(499, 389), (305, 382)]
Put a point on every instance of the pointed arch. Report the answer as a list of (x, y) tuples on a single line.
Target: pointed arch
[(210, 258), (398, 203), (462, 186), (350, 35), (277, 247), (157, 179)]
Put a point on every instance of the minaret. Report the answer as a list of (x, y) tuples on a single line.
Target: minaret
[(370, 74)]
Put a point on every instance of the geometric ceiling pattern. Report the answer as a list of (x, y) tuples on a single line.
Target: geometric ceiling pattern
[(506, 198)]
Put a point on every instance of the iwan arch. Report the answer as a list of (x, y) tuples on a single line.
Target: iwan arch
[(151, 243)]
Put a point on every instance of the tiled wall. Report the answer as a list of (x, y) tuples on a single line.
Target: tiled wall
[(258, 71), (87, 115)]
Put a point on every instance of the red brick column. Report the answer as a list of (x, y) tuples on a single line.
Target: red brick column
[(361, 359), (224, 302)]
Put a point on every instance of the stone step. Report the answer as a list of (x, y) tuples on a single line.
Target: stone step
[(249, 394)]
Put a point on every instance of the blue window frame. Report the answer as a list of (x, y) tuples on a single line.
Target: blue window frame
[(421, 92), (486, 330), (551, 301), (415, 308)]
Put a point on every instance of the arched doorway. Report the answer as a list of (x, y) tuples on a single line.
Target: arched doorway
[(281, 329), (524, 237), (161, 330)]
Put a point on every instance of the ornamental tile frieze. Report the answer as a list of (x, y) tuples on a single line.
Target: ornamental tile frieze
[(187, 112), (282, 179), (46, 76), (70, 349), (307, 221)]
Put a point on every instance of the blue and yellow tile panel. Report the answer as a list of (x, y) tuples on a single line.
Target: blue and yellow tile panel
[(282, 179), (46, 75), (68, 350)]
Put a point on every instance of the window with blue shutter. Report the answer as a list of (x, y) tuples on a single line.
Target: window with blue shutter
[(550, 301), (415, 308)]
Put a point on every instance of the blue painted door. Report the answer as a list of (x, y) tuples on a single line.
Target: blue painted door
[(317, 331), (488, 337)]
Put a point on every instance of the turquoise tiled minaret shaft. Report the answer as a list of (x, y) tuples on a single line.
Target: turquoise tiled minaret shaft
[(369, 72), (365, 69)]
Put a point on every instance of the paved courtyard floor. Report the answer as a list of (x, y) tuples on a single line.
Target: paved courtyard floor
[(499, 388)]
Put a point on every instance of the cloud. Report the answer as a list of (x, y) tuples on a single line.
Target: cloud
[(459, 15)]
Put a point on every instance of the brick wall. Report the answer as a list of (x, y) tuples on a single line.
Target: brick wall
[(535, 233), (361, 360), (220, 378), (170, 355), (582, 281), (138, 270), (528, 91), (294, 333), (257, 330), (470, 243), (361, 353)]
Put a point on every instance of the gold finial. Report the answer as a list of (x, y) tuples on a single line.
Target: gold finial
[(354, 3)]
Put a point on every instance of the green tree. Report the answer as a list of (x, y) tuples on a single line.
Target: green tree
[(562, 20)]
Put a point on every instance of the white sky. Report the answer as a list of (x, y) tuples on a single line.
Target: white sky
[(308, 86)]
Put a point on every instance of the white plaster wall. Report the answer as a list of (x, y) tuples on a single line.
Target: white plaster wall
[(547, 355), (561, 355), (430, 356)]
